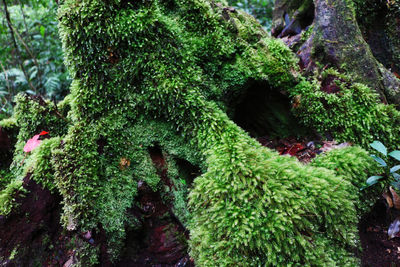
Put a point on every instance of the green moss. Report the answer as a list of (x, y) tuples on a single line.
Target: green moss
[(183, 62), (5, 178), (352, 164), (7, 196), (9, 123), (352, 114), (39, 163), (164, 74), (255, 204)]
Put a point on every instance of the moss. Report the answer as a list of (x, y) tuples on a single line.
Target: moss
[(147, 75), (351, 114), (7, 196), (5, 178), (9, 123), (39, 163), (352, 164), (202, 58), (268, 214)]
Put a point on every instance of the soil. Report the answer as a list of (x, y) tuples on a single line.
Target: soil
[(304, 149), (34, 229), (378, 250), (161, 240)]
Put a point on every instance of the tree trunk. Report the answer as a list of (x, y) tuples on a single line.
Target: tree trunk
[(149, 160), (328, 33)]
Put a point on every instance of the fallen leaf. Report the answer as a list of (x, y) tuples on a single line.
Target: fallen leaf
[(395, 197), (394, 228), (32, 143), (329, 145), (388, 199), (124, 163)]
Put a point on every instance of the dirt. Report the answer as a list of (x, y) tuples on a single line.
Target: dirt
[(33, 230), (329, 85), (161, 240), (378, 250), (5, 149)]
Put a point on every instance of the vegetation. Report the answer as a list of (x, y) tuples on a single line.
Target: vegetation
[(156, 86), (30, 54), (260, 9), (389, 175)]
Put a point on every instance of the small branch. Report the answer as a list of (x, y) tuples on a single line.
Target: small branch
[(21, 6), (29, 52)]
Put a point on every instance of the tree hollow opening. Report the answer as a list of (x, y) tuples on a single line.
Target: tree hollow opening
[(264, 111)]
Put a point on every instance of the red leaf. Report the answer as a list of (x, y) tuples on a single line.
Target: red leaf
[(32, 143), (44, 133)]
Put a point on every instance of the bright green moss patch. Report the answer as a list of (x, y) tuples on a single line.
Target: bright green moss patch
[(253, 207), (8, 123), (39, 163), (353, 164), (7, 196), (352, 113)]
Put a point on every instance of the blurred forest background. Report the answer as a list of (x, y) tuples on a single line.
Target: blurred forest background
[(31, 58)]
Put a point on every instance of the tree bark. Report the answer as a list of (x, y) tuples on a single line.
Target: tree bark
[(336, 40)]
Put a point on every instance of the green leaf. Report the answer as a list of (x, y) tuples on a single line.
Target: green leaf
[(396, 176), (394, 168), (378, 146), (379, 160), (395, 154), (373, 180), (42, 30)]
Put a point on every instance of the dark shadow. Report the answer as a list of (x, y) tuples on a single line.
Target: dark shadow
[(263, 111)]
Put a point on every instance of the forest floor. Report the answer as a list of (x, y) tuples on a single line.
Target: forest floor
[(378, 249)]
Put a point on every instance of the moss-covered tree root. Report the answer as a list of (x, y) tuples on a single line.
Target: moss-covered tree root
[(157, 75)]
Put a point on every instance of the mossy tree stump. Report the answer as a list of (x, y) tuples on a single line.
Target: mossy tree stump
[(155, 86)]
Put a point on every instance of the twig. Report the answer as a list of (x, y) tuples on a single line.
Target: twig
[(29, 52), (21, 6)]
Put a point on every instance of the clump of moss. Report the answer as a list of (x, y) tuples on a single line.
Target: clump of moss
[(182, 62), (253, 207), (7, 196), (31, 116), (40, 164), (353, 164), (352, 113)]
